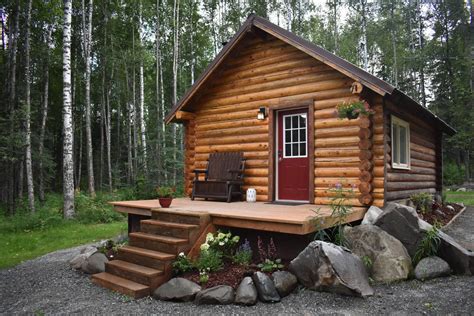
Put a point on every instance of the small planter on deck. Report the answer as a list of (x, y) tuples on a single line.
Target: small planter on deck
[(165, 202), (165, 195)]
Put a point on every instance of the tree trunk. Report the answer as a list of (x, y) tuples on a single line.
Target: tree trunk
[(142, 98), (129, 132), (44, 113), (68, 164), (175, 82), (159, 113), (87, 38), (29, 163)]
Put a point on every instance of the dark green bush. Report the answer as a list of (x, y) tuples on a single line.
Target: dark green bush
[(452, 174)]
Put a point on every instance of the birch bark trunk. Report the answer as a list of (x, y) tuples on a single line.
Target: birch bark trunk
[(142, 97), (29, 163), (44, 113), (68, 164), (87, 38), (175, 83)]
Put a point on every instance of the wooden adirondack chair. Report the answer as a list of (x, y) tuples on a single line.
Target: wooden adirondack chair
[(223, 179)]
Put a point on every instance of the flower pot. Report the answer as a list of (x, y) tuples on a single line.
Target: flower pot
[(165, 202), (352, 116)]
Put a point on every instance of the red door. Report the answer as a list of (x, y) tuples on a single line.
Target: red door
[(293, 158)]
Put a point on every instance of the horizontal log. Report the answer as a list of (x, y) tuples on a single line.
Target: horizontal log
[(332, 103), (331, 193), (233, 147), (406, 177), (336, 164), (237, 139), (259, 129), (236, 114), (337, 172), (402, 186), (185, 116), (421, 156), (328, 201), (247, 155), (343, 152), (331, 182), (336, 132), (325, 113), (336, 142), (396, 195), (256, 172), (230, 124), (258, 181), (258, 55), (422, 149), (413, 170), (261, 190), (334, 122)]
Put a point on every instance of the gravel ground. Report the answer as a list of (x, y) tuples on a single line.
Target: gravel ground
[(48, 285)]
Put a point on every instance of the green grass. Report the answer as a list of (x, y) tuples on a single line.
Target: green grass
[(20, 246), (25, 236), (461, 197)]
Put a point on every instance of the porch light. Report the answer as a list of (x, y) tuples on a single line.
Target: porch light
[(262, 113)]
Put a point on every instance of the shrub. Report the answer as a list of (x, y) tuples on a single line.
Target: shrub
[(422, 201), (270, 265), (221, 242), (95, 209), (339, 211), (182, 264), (165, 192), (429, 245), (210, 260), (452, 174), (243, 255)]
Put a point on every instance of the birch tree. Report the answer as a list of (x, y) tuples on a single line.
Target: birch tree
[(86, 49), (175, 80), (68, 164), (142, 96), (29, 164), (44, 112)]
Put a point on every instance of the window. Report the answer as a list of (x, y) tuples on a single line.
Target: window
[(294, 142), (400, 144)]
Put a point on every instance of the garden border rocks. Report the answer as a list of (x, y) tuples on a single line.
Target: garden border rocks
[(177, 289)]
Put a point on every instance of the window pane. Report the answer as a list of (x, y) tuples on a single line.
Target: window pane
[(295, 122), (302, 135), (395, 147), (295, 135), (295, 150), (287, 150), (287, 122), (403, 145), (303, 120), (287, 136), (303, 149)]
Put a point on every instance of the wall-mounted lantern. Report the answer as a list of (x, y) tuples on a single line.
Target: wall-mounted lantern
[(262, 113)]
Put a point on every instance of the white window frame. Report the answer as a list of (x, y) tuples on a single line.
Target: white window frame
[(397, 121), (299, 142)]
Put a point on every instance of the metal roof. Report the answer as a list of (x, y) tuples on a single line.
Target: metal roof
[(380, 86)]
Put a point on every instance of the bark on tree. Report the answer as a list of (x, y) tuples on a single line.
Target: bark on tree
[(175, 82), (68, 164), (29, 163), (87, 38), (142, 98), (44, 112)]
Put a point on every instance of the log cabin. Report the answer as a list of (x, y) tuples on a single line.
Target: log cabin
[(272, 95)]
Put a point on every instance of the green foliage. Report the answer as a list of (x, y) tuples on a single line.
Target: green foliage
[(165, 191), (221, 242), (203, 276), (453, 174), (367, 262), (422, 201), (461, 197), (270, 265), (96, 210), (210, 260), (429, 245), (353, 110), (243, 255), (182, 264), (339, 211)]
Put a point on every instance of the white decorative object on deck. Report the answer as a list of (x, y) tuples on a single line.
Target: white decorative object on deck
[(251, 195)]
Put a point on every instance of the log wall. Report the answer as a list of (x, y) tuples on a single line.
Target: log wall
[(270, 73), (425, 174)]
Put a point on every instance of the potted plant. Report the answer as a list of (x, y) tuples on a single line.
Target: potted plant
[(352, 110), (165, 195)]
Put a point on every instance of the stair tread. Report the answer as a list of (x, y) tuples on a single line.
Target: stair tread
[(168, 224), (161, 238), (147, 253), (125, 283), (135, 268)]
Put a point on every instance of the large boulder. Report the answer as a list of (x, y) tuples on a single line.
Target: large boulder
[(246, 293), (221, 294), (323, 266), (285, 282), (177, 289), (94, 263), (431, 267), (265, 288), (371, 215), (389, 258), (401, 222), (77, 262)]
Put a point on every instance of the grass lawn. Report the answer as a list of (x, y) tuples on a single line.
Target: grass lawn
[(461, 197), (19, 246)]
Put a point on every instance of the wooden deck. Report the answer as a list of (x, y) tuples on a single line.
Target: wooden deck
[(292, 219)]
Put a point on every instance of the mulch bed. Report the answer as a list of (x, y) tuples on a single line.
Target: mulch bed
[(442, 217), (230, 275)]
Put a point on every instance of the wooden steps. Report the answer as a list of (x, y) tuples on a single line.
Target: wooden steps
[(145, 263), (118, 284)]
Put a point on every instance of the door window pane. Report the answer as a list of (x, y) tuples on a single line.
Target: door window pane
[(295, 137), (302, 135), (295, 150), (287, 123), (302, 149), (288, 150), (295, 121), (288, 136), (302, 120)]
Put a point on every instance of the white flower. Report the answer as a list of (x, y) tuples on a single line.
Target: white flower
[(221, 243), (205, 247), (221, 236), (181, 254), (209, 237), (236, 239)]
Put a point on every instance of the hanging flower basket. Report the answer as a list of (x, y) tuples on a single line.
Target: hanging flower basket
[(353, 110)]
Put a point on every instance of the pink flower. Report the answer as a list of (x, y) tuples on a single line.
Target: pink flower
[(338, 186)]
